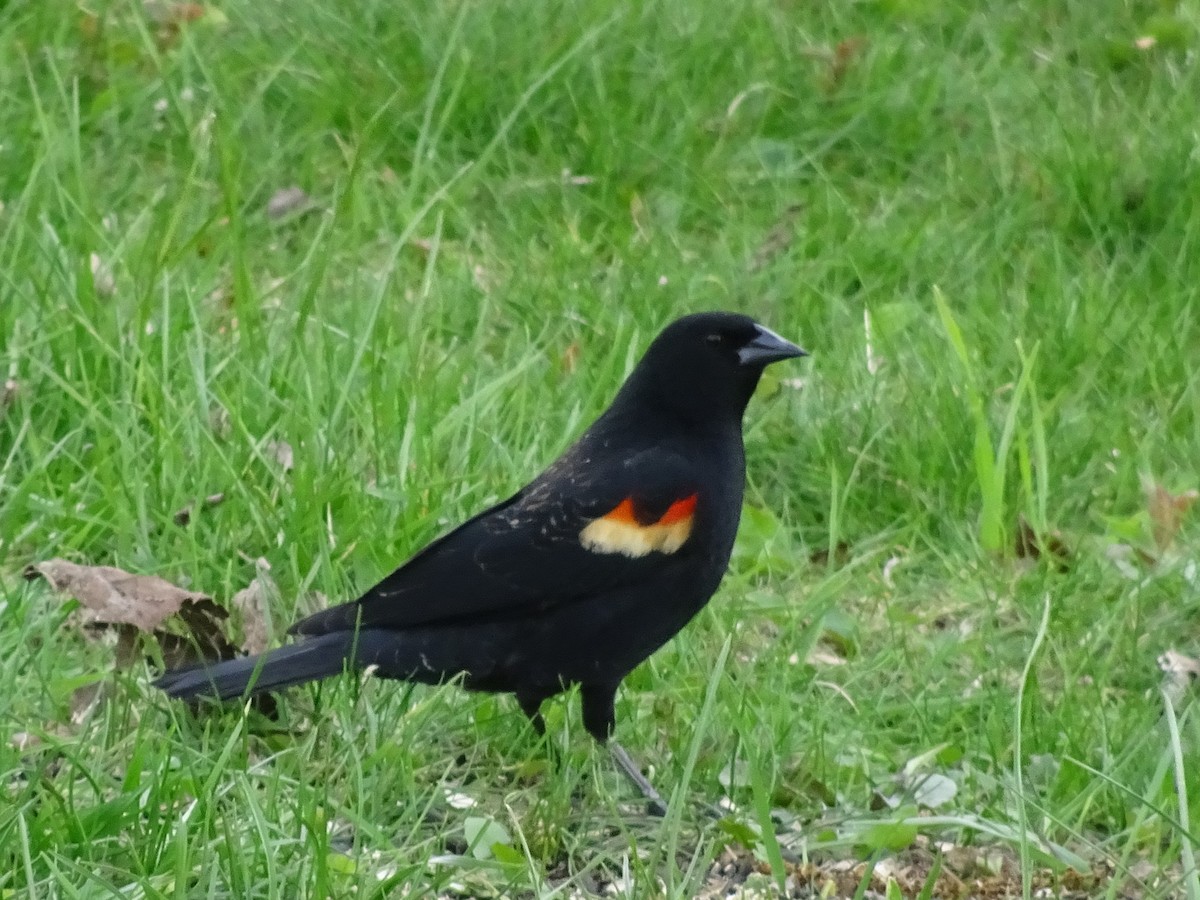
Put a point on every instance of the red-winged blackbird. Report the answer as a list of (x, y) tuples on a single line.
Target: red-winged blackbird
[(577, 577)]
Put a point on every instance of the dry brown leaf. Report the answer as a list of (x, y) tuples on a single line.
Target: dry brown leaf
[(113, 598), (288, 201), (180, 651), (1029, 545), (251, 603), (1167, 512)]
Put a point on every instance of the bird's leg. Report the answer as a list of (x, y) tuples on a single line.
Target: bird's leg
[(600, 720), (654, 801)]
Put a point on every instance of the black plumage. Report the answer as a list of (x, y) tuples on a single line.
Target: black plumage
[(577, 577)]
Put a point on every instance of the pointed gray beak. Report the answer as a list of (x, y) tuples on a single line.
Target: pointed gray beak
[(767, 347)]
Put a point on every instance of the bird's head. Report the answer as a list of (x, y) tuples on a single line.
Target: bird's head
[(706, 365)]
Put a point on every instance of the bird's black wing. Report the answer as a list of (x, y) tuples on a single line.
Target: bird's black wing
[(580, 529)]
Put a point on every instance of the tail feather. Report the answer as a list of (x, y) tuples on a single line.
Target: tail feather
[(309, 660)]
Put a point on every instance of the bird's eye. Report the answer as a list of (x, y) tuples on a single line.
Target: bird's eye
[(715, 340)]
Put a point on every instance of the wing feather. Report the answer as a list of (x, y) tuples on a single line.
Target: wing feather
[(526, 553)]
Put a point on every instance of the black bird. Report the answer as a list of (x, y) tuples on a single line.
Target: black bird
[(577, 577)]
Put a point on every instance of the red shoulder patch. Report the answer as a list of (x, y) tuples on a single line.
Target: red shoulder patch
[(623, 512), (679, 511), (620, 531)]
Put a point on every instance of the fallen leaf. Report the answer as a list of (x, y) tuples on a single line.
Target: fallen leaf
[(288, 202), (251, 603), (1029, 545), (1167, 511), (115, 597), (132, 604)]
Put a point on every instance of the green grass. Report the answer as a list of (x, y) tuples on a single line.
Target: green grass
[(509, 200)]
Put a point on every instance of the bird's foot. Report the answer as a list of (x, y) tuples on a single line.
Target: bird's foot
[(655, 804)]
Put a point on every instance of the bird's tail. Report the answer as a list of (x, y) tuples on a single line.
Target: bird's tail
[(309, 660)]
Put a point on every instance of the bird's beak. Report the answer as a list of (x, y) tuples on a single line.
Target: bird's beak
[(767, 347)]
